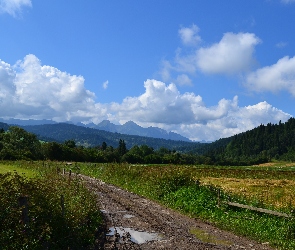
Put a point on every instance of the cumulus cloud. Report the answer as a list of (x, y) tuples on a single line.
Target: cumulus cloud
[(14, 7), (233, 54), (29, 89), (237, 120), (163, 106), (33, 90), (189, 35), (274, 78)]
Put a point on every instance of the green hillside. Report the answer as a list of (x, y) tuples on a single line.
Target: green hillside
[(261, 144)]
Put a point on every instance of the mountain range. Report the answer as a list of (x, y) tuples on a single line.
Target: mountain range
[(129, 128)]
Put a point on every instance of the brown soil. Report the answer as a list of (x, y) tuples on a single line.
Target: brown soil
[(123, 210)]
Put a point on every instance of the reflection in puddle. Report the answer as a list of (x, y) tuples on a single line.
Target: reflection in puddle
[(209, 238), (136, 236), (128, 216)]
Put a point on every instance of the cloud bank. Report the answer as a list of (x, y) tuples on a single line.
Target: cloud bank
[(29, 89)]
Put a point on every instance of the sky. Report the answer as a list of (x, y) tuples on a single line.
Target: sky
[(205, 69)]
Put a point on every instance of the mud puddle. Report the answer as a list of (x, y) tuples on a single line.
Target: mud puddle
[(138, 237)]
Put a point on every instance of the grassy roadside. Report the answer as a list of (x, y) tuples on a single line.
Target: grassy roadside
[(175, 186), (8, 167), (62, 213)]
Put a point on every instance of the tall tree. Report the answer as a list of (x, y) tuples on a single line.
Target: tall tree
[(122, 147)]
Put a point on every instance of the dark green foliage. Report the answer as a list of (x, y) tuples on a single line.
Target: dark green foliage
[(103, 146), (259, 145), (122, 147), (62, 214), (16, 143)]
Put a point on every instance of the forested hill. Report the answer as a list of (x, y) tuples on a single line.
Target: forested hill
[(90, 137), (261, 144), (4, 126)]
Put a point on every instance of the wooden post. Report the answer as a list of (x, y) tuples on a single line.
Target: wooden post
[(23, 202), (218, 197), (62, 204)]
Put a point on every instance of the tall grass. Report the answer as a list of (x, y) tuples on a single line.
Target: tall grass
[(63, 214)]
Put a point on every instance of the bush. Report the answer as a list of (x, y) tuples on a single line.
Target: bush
[(62, 213)]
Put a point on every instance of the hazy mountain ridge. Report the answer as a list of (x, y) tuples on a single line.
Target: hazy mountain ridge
[(91, 137), (129, 128)]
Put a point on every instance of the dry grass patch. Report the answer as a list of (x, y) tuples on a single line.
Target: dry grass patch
[(278, 193)]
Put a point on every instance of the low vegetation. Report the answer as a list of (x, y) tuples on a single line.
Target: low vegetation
[(49, 211), (193, 190)]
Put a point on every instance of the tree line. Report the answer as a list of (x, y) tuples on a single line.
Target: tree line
[(18, 144), (261, 144)]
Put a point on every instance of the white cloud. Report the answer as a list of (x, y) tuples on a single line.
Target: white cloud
[(33, 90), (14, 7), (29, 89), (277, 77), (163, 106), (105, 84), (233, 54), (237, 120), (189, 35)]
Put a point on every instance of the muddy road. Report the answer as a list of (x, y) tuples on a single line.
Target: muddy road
[(133, 222)]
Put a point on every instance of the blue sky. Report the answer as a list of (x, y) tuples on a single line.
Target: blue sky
[(203, 69)]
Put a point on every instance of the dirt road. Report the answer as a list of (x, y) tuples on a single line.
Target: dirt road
[(138, 223)]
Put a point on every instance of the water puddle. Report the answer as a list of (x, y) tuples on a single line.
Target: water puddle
[(128, 216), (208, 238), (136, 236)]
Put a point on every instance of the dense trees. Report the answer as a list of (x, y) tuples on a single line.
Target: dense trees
[(261, 144), (18, 144)]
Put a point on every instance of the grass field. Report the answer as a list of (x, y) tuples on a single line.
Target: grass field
[(4, 168), (193, 191)]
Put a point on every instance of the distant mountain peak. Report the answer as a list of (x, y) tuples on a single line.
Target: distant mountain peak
[(131, 128)]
